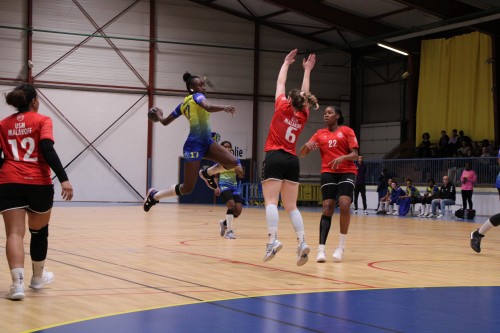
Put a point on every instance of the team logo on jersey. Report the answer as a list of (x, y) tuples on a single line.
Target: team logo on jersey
[(339, 134), (20, 117)]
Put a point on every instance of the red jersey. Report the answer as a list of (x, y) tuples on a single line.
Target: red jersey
[(286, 126), (335, 144), (20, 136)]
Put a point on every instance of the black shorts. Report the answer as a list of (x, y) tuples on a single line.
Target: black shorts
[(280, 165), (334, 185), (228, 195), (35, 198)]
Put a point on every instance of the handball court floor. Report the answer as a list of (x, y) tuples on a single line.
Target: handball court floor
[(118, 269)]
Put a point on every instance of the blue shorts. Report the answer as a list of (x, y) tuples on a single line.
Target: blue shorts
[(195, 150)]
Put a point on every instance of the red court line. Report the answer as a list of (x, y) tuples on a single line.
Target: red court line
[(266, 267), (374, 263)]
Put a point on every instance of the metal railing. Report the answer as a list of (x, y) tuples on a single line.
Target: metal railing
[(421, 170)]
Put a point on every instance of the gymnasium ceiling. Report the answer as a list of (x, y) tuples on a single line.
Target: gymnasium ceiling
[(357, 25)]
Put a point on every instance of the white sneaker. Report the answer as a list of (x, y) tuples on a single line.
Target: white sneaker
[(395, 213), (272, 249), (321, 257), (365, 212), (302, 253), (222, 228), (431, 215), (440, 216), (38, 282), (355, 211), (15, 292), (230, 235), (338, 254)]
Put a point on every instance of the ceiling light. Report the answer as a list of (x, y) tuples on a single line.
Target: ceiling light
[(392, 49)]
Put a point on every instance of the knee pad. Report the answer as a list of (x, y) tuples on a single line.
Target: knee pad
[(495, 220), (39, 243)]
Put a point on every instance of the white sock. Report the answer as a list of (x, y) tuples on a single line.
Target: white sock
[(17, 275), (487, 226), (424, 211), (272, 219), (321, 248), (342, 240), (169, 192), (229, 221), (298, 225), (38, 268)]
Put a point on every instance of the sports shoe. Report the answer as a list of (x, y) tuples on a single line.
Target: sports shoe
[(475, 240), (38, 282), (355, 211), (440, 216), (395, 213), (302, 253), (338, 254), (431, 215), (365, 212), (150, 200), (321, 257), (230, 235), (15, 292), (272, 249), (209, 180), (223, 228)]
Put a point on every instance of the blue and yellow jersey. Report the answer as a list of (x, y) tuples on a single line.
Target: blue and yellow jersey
[(199, 124), (227, 178)]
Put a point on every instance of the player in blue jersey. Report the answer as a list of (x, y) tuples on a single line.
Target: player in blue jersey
[(230, 194), (199, 143)]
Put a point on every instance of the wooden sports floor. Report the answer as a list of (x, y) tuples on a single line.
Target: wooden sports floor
[(118, 269)]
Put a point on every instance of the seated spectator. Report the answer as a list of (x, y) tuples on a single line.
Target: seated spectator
[(453, 143), (465, 150), (431, 193), (485, 152), (424, 149), (443, 148), (446, 197), (384, 206), (410, 197), (396, 193), (489, 148)]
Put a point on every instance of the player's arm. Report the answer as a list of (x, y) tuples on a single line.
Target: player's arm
[(201, 100), (308, 65), (156, 114), (280, 83), (307, 148), (52, 159)]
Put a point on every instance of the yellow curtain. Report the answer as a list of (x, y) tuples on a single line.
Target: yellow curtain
[(455, 87)]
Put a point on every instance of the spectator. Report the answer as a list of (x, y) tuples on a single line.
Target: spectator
[(360, 185), (410, 197), (489, 148), (485, 152), (468, 178), (424, 149), (384, 203), (396, 193), (446, 197), (453, 143), (382, 185), (443, 147), (431, 192), (465, 150)]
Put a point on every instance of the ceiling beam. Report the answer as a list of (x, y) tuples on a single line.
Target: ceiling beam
[(266, 23), (449, 9), (334, 17)]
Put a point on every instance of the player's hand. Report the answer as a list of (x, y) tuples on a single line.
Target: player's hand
[(230, 109), (311, 145), (308, 63), (154, 114), (290, 58), (66, 190), (217, 191)]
